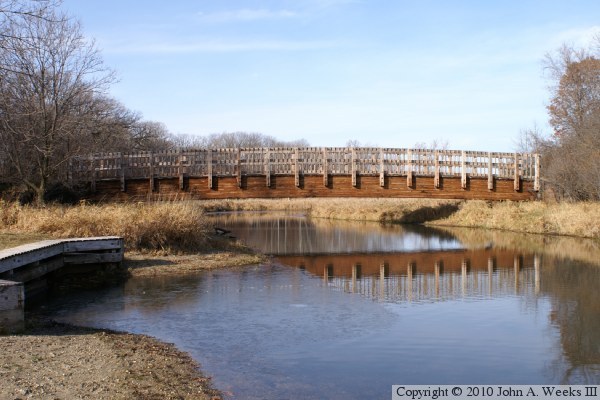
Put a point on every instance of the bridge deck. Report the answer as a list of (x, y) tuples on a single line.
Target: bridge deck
[(310, 172)]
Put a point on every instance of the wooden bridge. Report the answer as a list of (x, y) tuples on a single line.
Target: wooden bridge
[(308, 172)]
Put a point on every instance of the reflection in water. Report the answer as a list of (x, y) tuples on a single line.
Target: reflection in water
[(281, 234), (575, 300), (426, 276), (350, 323)]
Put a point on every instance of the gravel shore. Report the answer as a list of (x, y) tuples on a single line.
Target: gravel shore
[(58, 361)]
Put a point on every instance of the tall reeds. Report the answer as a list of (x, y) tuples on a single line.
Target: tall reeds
[(174, 226)]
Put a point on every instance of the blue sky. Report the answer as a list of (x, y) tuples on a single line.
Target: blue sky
[(385, 73)]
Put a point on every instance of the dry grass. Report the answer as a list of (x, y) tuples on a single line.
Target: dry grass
[(571, 219), (144, 226)]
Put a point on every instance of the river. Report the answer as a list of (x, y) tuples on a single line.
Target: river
[(346, 310)]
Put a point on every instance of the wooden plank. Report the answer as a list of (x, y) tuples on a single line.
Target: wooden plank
[(30, 253), (92, 258), (70, 246), (29, 273)]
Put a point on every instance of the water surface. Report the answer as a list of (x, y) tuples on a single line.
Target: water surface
[(347, 310)]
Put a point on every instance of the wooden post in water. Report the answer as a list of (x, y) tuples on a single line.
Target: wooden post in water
[(490, 183), (381, 168), (463, 170), (325, 168), (436, 172), (536, 179), (209, 168)]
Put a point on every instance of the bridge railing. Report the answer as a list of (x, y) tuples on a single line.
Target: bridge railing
[(306, 161)]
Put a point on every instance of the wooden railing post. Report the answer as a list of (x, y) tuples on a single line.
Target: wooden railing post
[(92, 173), (239, 167), (209, 167), (151, 169), (436, 173), (180, 169), (325, 168), (517, 183), (409, 169), (122, 171), (353, 167), (297, 167), (463, 170), (536, 178), (381, 168), (490, 182), (267, 162)]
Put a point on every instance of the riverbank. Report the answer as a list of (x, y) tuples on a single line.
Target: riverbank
[(569, 219), (57, 361), (182, 227)]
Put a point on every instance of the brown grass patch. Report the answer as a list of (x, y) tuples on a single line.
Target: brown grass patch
[(571, 219), (168, 227)]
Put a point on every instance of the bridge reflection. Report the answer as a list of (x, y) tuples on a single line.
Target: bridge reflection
[(422, 276), (389, 263)]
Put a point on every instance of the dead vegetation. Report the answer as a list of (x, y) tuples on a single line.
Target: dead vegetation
[(570, 219), (166, 227)]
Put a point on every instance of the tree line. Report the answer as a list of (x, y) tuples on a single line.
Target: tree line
[(54, 101), (571, 152)]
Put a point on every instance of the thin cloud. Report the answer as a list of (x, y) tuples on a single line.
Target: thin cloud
[(205, 46), (581, 37), (246, 15)]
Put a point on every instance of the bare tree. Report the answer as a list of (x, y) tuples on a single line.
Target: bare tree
[(49, 94), (234, 140), (572, 154)]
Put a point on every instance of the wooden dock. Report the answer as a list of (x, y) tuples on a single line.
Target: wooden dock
[(308, 172), (25, 265)]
